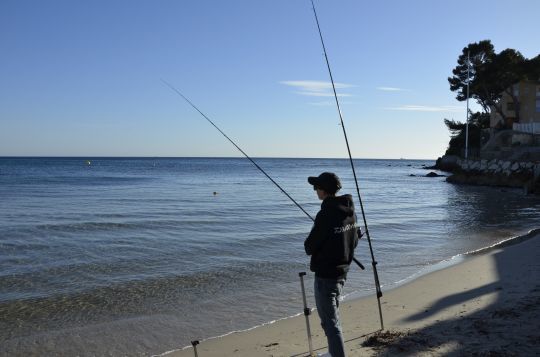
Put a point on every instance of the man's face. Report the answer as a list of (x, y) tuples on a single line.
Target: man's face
[(321, 193)]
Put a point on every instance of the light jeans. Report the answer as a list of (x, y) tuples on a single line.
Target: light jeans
[(327, 292)]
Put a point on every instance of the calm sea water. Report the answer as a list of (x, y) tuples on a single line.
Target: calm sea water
[(119, 256)]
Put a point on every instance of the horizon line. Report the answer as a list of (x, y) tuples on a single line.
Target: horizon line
[(197, 157)]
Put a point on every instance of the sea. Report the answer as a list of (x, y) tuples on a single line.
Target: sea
[(140, 256)]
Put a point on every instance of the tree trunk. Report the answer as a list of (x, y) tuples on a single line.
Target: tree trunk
[(497, 106)]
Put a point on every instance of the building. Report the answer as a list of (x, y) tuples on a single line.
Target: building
[(528, 93)]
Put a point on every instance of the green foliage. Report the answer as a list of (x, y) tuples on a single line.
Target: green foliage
[(477, 122), (455, 127), (472, 64), (533, 69), (480, 119)]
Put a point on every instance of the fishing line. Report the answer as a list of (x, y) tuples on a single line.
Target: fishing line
[(373, 261), (246, 155)]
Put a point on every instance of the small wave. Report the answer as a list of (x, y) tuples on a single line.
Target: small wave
[(110, 215), (86, 226), (506, 242), (229, 333), (114, 226), (133, 283), (80, 180)]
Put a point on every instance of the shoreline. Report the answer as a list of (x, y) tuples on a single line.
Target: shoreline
[(287, 336)]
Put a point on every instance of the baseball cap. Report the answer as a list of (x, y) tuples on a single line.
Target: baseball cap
[(328, 181)]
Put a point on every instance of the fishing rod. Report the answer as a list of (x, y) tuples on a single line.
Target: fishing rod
[(247, 156), (373, 261)]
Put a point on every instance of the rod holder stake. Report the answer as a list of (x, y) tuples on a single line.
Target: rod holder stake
[(194, 344)]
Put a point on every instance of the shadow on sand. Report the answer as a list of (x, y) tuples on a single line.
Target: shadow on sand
[(508, 326)]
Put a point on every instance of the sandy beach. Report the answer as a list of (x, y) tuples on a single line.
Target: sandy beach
[(486, 305)]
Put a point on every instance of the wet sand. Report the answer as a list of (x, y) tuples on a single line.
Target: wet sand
[(487, 305)]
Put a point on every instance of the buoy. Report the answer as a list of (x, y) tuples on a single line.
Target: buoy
[(88, 162)]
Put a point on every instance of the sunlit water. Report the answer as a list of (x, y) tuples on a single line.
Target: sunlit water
[(139, 256)]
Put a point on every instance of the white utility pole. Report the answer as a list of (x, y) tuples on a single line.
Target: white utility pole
[(467, 120)]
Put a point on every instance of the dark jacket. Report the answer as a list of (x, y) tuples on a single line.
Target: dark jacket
[(333, 238)]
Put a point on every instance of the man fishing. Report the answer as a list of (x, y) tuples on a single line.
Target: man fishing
[(331, 244)]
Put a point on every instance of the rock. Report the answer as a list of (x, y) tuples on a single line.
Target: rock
[(434, 174), (496, 172), (483, 165), (412, 175), (448, 163)]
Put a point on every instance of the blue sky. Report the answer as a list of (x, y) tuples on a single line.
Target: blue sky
[(82, 78)]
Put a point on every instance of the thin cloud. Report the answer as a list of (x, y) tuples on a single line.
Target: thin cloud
[(391, 89), (330, 103), (327, 103), (425, 108), (317, 88), (323, 94)]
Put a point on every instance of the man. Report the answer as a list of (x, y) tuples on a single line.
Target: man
[(331, 244)]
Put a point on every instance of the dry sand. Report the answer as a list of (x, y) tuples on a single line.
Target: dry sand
[(487, 305)]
